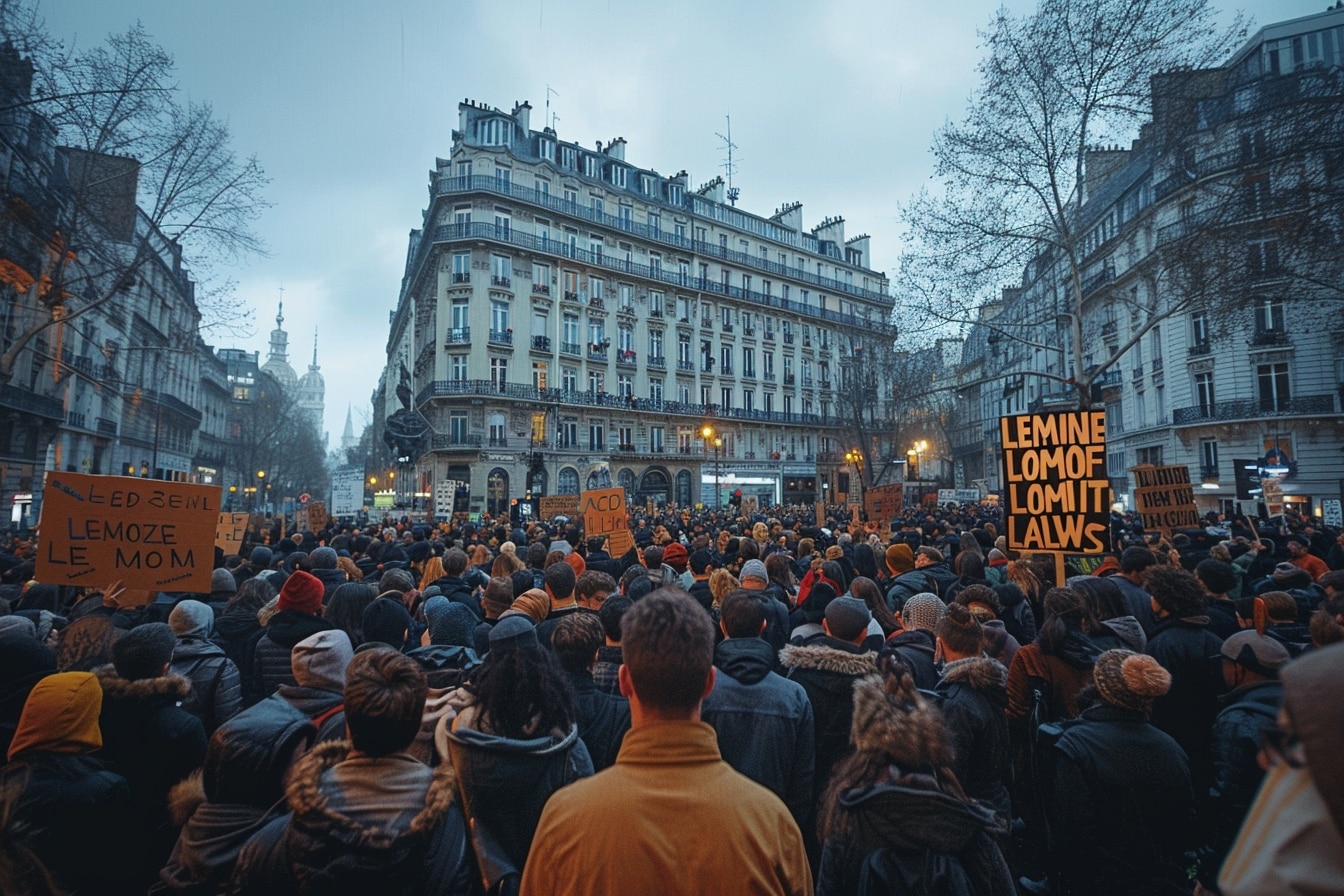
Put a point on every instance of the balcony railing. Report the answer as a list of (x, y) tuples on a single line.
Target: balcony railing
[(597, 302), (453, 185), (726, 328), (1199, 349), (686, 366), (625, 357), (459, 335), (658, 361), (501, 337), (501, 281), (788, 339), (626, 309), (769, 336), (655, 312), (571, 296), (77, 420), (807, 382), (1270, 337), (552, 397), (443, 442), (571, 348), (461, 277), (20, 399), (105, 427), (541, 343), (597, 353), (1250, 409), (541, 289)]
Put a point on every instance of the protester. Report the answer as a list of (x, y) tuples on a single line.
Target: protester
[(216, 688), (644, 825)]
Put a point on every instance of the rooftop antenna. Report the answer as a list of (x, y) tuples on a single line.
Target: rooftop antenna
[(729, 167), (549, 116)]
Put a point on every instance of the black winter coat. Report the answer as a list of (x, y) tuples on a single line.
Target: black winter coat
[(1122, 811), (974, 697), (1189, 651), (216, 687), (78, 818), (270, 661), (917, 645), (459, 592), (827, 670), (602, 718)]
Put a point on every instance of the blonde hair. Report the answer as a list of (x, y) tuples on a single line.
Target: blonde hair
[(433, 572), (721, 584)]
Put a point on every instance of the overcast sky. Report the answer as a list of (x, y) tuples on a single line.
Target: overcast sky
[(348, 103)]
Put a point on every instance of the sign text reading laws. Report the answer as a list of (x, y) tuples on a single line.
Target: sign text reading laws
[(1057, 496)]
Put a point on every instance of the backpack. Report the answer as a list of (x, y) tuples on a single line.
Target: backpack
[(889, 872)]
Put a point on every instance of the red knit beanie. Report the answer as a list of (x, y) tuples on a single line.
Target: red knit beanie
[(302, 591)]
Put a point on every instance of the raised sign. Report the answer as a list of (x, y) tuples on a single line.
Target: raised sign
[(1164, 498), (1056, 494), (604, 515)]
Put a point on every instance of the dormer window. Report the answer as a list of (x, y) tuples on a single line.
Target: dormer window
[(618, 175), (590, 166), (546, 149), (646, 184), (674, 194), (495, 132), (567, 157)]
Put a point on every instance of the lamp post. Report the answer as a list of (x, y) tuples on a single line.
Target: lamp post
[(854, 457), (261, 482), (917, 453), (708, 434)]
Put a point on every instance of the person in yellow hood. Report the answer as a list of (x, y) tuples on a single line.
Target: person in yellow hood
[(62, 803)]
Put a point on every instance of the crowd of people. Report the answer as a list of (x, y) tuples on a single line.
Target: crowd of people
[(766, 704)]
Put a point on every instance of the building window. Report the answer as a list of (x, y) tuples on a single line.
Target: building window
[(567, 156), (499, 317), (503, 178), (1273, 386), (1204, 393), (541, 278), (568, 481), (571, 334), (1208, 458), (656, 391), (569, 379), (625, 386), (1262, 257), (459, 317), (748, 400), (769, 402), (726, 398), (461, 267), (569, 438), (590, 166), (748, 362), (595, 382), (1268, 316), (655, 344), (1152, 455), (546, 149), (499, 372), (597, 438), (656, 439), (539, 374), (498, 436), (655, 304), (501, 270), (618, 175), (457, 428), (1199, 329), (462, 215), (457, 368)]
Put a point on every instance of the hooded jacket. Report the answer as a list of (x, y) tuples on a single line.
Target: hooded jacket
[(270, 662), (827, 670), (603, 719), (149, 739), (504, 784), (974, 695), (356, 825), (1185, 647), (24, 661), (216, 687), (244, 773), (929, 835), (917, 646), (764, 723), (67, 795)]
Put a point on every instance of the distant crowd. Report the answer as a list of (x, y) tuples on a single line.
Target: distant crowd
[(769, 703)]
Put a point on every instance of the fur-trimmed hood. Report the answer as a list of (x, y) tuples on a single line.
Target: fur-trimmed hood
[(313, 808), (979, 673), (174, 688), (824, 658), (184, 797), (911, 737)]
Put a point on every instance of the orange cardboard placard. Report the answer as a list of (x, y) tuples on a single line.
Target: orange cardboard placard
[(604, 514)]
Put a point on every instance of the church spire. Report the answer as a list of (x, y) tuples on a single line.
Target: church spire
[(314, 366)]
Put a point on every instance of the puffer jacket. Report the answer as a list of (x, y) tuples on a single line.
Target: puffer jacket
[(216, 687), (602, 718), (270, 660), (332, 843), (973, 696), (764, 723), (504, 784)]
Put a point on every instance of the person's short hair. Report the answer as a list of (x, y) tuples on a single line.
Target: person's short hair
[(1136, 559), (591, 581), (1280, 606), (1176, 591), (384, 701), (960, 630), (983, 595), (455, 562), (613, 608), (653, 556), (1217, 576), (398, 580), (1332, 579), (595, 543), (560, 579), (536, 555), (742, 614), (575, 641), (667, 644), (930, 552)]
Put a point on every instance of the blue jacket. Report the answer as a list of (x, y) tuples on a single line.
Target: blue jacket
[(764, 722)]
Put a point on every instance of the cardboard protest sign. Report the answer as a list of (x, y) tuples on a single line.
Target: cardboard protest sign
[(1056, 494), (301, 518), (1164, 498), (149, 534), (553, 506), (317, 515), (231, 532), (604, 515), (884, 502)]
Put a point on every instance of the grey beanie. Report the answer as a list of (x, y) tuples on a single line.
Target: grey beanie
[(143, 651), (455, 625), (754, 569), (223, 582), (191, 619), (261, 556), (511, 633), (17, 625), (847, 617), (323, 558), (319, 661), (433, 608)]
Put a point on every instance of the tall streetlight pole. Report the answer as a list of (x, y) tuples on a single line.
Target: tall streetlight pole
[(707, 433), (854, 457)]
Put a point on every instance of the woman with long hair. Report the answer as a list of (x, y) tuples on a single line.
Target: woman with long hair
[(783, 586), (432, 572), (894, 805), (346, 608), (866, 590), (514, 744)]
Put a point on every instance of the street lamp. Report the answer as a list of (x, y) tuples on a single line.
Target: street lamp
[(854, 457), (261, 481), (707, 433), (917, 453)]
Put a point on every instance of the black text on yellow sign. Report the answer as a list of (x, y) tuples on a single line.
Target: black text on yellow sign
[(1056, 494)]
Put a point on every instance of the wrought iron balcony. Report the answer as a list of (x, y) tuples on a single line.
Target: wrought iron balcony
[(501, 281), (541, 289), (1263, 337), (105, 427), (1250, 409), (571, 348), (76, 420), (625, 357), (686, 366), (444, 441), (541, 343), (658, 362), (459, 335), (1200, 349), (501, 337), (461, 277)]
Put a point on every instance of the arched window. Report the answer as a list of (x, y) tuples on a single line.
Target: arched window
[(654, 485), (568, 482), (626, 480), (537, 482), (497, 493), (684, 488)]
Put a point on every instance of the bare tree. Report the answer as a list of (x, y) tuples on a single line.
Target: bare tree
[(123, 139), (1016, 174), (273, 434)]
